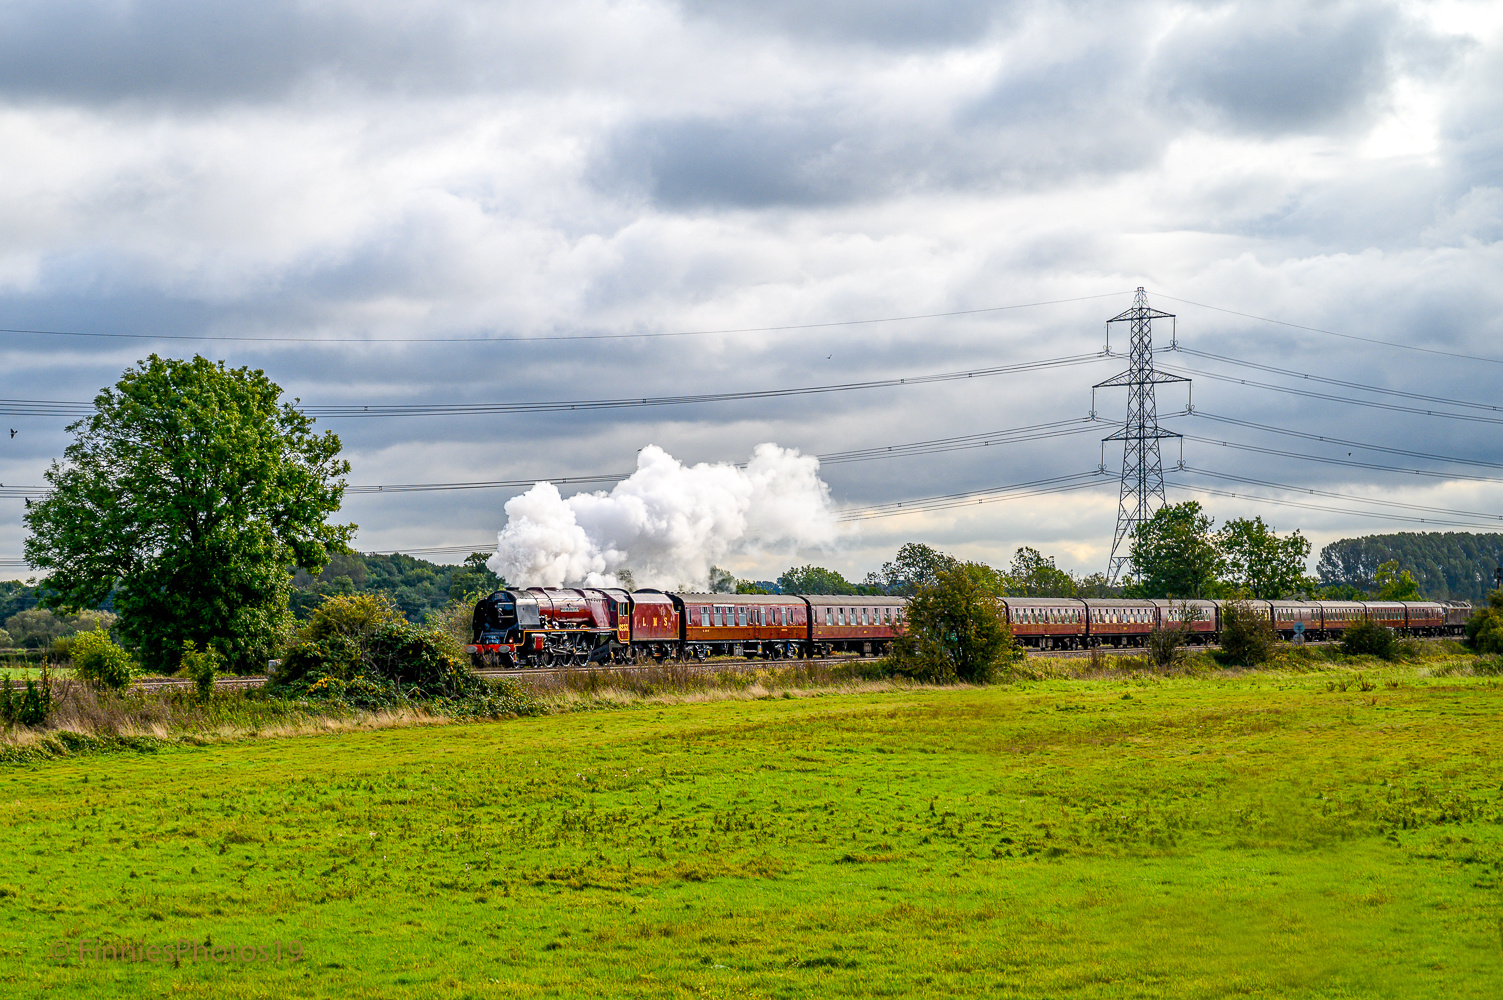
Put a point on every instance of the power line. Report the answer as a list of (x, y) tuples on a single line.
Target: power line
[(60, 408), (1394, 407), (1351, 463), (544, 338), (1343, 496), (1342, 441), (1341, 510), (1336, 381), (1055, 484), (1333, 333)]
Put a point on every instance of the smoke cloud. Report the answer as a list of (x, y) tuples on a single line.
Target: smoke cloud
[(667, 523)]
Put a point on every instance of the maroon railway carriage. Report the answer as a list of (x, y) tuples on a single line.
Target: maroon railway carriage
[(851, 624), (1389, 614), (1121, 622), (1424, 617), (1338, 616), (1291, 618), (1202, 615), (1047, 622), (774, 626)]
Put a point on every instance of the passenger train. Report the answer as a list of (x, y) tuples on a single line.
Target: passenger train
[(546, 626)]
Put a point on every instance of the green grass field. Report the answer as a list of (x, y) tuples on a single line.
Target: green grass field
[(1263, 835)]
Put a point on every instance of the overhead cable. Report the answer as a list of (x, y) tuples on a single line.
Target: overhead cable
[(1351, 463), (60, 408), (1310, 393), (1337, 510), (1343, 441), (543, 338), (1341, 382), (1333, 333), (1342, 496)]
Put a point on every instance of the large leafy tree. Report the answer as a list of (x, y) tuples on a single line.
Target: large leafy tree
[(189, 495), (1260, 563), (1396, 584), (814, 580), (954, 629), (1174, 553), (1034, 574), (915, 565)]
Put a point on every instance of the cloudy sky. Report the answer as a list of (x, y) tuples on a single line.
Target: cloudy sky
[(322, 186)]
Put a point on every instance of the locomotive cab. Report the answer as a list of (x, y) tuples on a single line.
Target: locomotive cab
[(499, 622)]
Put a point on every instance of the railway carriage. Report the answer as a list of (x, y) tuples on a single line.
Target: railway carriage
[(1047, 622), (1338, 616), (850, 624), (1204, 619), (1121, 622), (1293, 618), (1424, 618), (1389, 614), (774, 626)]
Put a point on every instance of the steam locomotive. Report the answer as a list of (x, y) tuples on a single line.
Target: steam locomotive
[(548, 626)]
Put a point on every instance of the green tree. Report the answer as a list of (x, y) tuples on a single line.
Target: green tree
[(1247, 635), (1395, 584), (1260, 563), (992, 581), (1174, 553), (722, 581), (1033, 574), (915, 565), (1485, 628), (474, 578), (814, 580), (189, 496), (955, 629)]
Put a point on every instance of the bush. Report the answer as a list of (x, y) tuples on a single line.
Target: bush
[(954, 630), (1247, 635), (100, 662), (1484, 630), (29, 707), (200, 665), (1166, 642), (360, 649), (1370, 639)]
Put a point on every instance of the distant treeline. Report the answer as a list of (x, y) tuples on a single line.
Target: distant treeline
[(417, 586), (1448, 565)]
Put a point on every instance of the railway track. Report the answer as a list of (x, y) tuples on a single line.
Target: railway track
[(155, 684)]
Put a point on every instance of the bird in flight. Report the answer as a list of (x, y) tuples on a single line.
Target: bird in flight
[(12, 432)]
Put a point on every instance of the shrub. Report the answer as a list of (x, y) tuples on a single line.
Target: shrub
[(1166, 642), (1247, 636), (200, 665), (954, 630), (359, 648), (1370, 639), (100, 662), (29, 707), (1485, 628)]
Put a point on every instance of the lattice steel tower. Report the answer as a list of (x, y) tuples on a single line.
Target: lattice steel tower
[(1142, 467)]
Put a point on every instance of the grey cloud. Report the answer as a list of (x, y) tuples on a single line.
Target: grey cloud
[(887, 23), (1257, 71), (190, 53), (1034, 128)]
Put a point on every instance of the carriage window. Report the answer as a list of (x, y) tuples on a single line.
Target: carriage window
[(829, 616)]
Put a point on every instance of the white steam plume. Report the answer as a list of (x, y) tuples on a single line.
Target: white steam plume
[(667, 523)]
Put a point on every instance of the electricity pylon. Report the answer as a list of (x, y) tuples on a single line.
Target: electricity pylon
[(1142, 467)]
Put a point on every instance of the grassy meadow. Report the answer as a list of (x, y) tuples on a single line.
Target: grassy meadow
[(1264, 835)]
